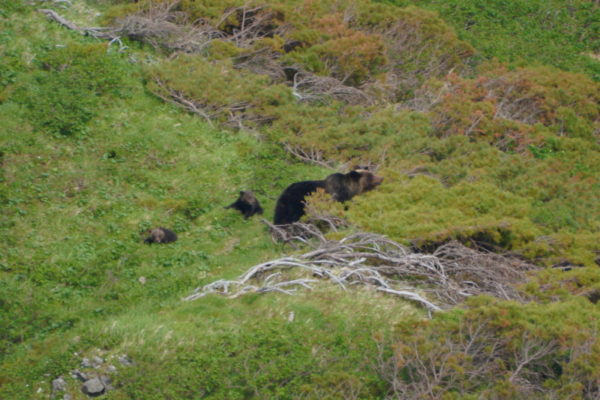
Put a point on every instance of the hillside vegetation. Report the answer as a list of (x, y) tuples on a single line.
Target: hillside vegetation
[(483, 118)]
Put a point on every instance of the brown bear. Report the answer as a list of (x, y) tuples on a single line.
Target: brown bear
[(247, 204), (161, 235), (342, 187)]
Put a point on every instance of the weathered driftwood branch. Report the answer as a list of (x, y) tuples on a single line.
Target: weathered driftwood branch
[(100, 33), (453, 273)]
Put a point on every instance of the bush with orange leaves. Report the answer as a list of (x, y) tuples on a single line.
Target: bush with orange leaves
[(515, 108)]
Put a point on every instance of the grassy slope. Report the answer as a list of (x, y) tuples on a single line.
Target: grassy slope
[(73, 253)]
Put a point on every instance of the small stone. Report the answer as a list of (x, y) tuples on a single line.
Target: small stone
[(125, 360), (142, 279), (76, 374), (86, 363), (97, 361), (59, 385), (93, 387), (106, 381), (67, 397), (111, 368)]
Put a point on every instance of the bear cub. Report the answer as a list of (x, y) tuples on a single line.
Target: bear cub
[(247, 204), (342, 187), (161, 235)]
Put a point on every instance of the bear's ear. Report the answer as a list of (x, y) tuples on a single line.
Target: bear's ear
[(354, 175)]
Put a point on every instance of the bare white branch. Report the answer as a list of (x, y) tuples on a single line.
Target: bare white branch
[(453, 273)]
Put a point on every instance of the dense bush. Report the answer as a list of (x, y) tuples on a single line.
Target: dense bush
[(217, 91), (501, 350), (384, 49), (505, 105)]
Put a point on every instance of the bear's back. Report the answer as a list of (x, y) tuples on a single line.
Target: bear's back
[(290, 205)]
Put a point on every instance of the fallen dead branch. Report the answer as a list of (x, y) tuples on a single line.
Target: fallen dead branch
[(309, 87), (236, 115), (453, 273), (310, 155), (99, 33), (157, 28), (177, 98)]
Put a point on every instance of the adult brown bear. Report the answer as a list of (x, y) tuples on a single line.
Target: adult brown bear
[(342, 187)]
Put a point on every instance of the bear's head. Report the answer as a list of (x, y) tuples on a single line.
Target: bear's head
[(248, 197), (364, 180)]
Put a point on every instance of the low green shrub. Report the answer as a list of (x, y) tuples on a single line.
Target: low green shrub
[(497, 349)]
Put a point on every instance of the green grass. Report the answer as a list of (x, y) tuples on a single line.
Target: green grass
[(74, 210), (558, 33)]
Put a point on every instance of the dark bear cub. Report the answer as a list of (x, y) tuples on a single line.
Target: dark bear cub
[(342, 187), (161, 235), (247, 204)]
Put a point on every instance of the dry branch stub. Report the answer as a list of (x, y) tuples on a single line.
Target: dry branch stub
[(450, 275)]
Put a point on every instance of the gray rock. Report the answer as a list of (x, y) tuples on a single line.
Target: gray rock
[(86, 363), (59, 385), (111, 368), (125, 360), (106, 381), (93, 387), (97, 361), (67, 397), (76, 374)]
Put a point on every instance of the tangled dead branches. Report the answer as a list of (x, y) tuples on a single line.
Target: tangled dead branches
[(310, 87), (251, 24), (312, 156), (453, 273), (461, 360), (161, 27)]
